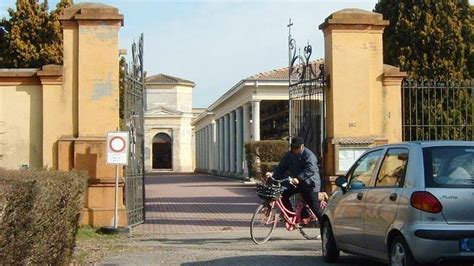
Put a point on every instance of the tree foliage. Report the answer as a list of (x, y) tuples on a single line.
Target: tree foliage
[(32, 35), (429, 38)]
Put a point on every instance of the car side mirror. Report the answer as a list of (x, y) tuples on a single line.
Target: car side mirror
[(341, 182)]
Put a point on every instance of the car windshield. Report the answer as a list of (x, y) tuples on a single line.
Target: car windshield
[(449, 166)]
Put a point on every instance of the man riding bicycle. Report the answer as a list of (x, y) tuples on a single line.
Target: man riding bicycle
[(302, 165)]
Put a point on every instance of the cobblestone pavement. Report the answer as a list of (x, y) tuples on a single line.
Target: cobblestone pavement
[(196, 203)]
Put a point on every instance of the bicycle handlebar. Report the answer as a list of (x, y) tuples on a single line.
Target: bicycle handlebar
[(280, 181)]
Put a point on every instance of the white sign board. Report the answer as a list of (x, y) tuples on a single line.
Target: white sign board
[(347, 157), (117, 147)]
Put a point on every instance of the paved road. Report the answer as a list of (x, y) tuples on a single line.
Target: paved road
[(204, 220), (196, 203), (226, 248)]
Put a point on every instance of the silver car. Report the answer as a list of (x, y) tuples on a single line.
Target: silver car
[(405, 204)]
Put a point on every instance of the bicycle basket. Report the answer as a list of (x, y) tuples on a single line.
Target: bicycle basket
[(268, 192)]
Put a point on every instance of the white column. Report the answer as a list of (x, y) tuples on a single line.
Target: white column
[(256, 120), (196, 149), (209, 148), (232, 142), (226, 144), (204, 146), (221, 144), (246, 131), (239, 140), (213, 145), (202, 149)]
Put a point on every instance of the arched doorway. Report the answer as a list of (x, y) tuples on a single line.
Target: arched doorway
[(162, 151)]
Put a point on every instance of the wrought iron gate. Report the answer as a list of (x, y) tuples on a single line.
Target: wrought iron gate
[(438, 110), (134, 90), (307, 99)]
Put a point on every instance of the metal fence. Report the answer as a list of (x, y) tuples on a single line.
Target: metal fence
[(438, 110)]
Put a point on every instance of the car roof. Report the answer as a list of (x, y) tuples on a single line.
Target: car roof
[(431, 143)]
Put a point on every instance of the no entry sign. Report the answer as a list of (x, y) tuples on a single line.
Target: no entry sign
[(117, 147)]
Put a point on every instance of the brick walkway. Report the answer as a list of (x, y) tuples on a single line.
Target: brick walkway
[(196, 203)]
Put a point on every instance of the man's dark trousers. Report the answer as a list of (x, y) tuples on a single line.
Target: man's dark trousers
[(309, 194)]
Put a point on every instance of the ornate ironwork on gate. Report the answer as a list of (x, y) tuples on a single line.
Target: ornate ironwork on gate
[(438, 110), (134, 90), (307, 86)]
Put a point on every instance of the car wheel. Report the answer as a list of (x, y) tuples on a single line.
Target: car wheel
[(400, 254), (329, 247)]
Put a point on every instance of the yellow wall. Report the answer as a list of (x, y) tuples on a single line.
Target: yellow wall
[(98, 79), (22, 126), (364, 95)]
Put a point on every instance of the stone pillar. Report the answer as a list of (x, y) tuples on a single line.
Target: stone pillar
[(256, 120), (226, 144), (198, 150), (209, 148), (232, 142), (204, 157), (90, 76), (246, 131), (201, 146), (358, 103), (57, 116), (239, 140), (213, 146), (221, 145)]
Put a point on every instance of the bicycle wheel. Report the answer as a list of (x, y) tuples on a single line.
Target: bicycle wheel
[(262, 224), (310, 231)]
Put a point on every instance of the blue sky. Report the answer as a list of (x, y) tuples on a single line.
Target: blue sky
[(218, 43)]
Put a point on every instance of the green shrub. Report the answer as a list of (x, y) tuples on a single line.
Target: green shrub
[(267, 167), (269, 153), (48, 228)]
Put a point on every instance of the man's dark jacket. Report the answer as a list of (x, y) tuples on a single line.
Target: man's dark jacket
[(303, 166)]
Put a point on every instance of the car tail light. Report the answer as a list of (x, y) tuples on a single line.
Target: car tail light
[(425, 201)]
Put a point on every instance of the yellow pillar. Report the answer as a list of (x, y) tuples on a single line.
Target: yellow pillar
[(91, 77), (363, 101), (56, 113)]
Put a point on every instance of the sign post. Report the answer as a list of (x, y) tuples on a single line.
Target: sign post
[(117, 154)]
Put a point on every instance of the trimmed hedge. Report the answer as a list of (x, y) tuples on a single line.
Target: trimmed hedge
[(39, 215), (263, 155)]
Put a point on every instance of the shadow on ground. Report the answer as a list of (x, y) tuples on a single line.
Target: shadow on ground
[(282, 260)]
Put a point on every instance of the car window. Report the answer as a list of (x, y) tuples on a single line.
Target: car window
[(362, 171), (449, 167), (393, 168)]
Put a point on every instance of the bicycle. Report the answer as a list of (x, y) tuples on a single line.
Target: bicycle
[(265, 218)]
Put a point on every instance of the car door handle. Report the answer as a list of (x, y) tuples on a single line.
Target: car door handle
[(393, 196), (360, 195)]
